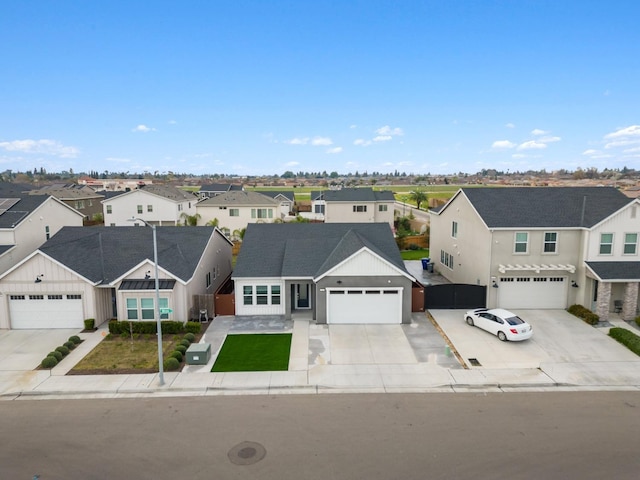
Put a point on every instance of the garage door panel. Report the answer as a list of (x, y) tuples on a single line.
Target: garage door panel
[(364, 306), (532, 292), (46, 311)]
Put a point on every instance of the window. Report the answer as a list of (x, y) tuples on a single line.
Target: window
[(522, 242), (147, 308), (262, 297), (36, 297), (139, 208), (74, 297), (54, 297), (247, 292), (234, 212), (179, 207), (359, 208), (550, 242), (275, 294), (149, 208), (109, 210), (454, 229), (17, 297), (163, 303), (261, 213), (319, 209), (447, 259), (132, 308), (47, 232), (382, 208), (606, 243), (208, 280), (79, 204), (630, 243), (90, 202)]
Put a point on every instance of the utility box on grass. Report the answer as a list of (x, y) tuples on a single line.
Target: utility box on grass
[(198, 353)]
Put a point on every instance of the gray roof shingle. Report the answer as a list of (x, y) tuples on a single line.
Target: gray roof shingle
[(103, 254), (358, 195), (545, 207), (20, 210), (238, 197), (616, 270), (310, 249)]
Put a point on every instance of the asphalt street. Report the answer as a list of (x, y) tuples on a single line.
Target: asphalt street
[(587, 435)]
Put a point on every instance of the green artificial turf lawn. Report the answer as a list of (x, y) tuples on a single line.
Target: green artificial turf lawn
[(254, 353), (414, 254)]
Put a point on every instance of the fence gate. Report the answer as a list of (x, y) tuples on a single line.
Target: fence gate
[(455, 295)]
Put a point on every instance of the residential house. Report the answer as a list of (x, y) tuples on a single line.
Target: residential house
[(26, 222), (155, 204), (357, 205), (109, 272), (539, 247), (212, 189), (80, 197), (236, 209), (334, 273), (287, 201)]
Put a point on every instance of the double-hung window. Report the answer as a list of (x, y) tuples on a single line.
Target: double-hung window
[(630, 243), (382, 208), (454, 229), (109, 209), (149, 208), (262, 295), (275, 294), (234, 212), (247, 294), (550, 242), (132, 309), (147, 309), (139, 208), (359, 208), (606, 243), (261, 213), (521, 244)]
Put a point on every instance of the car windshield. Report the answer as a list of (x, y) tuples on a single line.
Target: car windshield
[(514, 320)]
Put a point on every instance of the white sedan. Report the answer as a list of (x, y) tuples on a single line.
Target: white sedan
[(500, 322)]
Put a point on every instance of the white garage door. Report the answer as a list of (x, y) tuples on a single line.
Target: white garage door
[(46, 311), (532, 292), (365, 306)]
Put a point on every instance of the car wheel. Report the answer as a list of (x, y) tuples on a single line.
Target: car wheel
[(470, 321), (502, 336)]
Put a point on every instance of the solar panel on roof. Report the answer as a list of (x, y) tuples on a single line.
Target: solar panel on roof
[(7, 203)]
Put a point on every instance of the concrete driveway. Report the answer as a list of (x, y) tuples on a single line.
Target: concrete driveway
[(23, 350), (558, 338)]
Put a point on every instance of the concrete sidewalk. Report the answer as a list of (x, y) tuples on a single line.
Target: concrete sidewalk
[(322, 361)]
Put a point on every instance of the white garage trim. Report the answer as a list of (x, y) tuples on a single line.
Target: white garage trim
[(46, 311), (361, 305), (532, 292)]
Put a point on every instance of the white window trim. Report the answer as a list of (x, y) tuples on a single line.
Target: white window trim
[(624, 245), (515, 242), (600, 244), (544, 242)]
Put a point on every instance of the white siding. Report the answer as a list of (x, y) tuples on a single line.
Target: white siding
[(165, 211), (625, 221), (364, 264), (253, 309)]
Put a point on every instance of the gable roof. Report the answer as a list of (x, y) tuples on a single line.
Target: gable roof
[(621, 271), (9, 189), (288, 194), (544, 207), (166, 191), (24, 206), (104, 254), (65, 191), (310, 249), (219, 187), (358, 195), (238, 198)]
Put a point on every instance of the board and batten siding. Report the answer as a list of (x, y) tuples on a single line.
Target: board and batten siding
[(253, 309)]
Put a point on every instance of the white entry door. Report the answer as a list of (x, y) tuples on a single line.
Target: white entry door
[(364, 306)]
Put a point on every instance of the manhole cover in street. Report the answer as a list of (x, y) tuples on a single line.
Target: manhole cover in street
[(247, 453)]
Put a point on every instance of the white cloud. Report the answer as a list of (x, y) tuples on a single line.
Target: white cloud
[(502, 144), (387, 130), (532, 145), (292, 164), (516, 156), (549, 139), (590, 151), (623, 136), (297, 141), (537, 132), (321, 141), (510, 125), (631, 150), (117, 160), (353, 126), (382, 138), (595, 154), (334, 150), (44, 146), (143, 128), (172, 122), (362, 142)]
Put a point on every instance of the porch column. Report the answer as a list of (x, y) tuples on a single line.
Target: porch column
[(630, 301), (603, 301)]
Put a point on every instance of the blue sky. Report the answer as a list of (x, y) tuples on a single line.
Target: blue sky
[(261, 87)]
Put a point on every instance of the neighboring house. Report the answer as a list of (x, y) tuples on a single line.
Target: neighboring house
[(357, 205), (338, 273), (237, 209), (155, 204), (80, 197), (317, 206), (542, 247), (113, 184), (287, 201), (108, 272), (26, 222), (212, 189)]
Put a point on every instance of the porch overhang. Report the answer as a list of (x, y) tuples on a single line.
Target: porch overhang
[(146, 284), (543, 267)]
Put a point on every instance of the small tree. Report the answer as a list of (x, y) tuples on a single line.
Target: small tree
[(212, 223), (419, 197), (190, 220)]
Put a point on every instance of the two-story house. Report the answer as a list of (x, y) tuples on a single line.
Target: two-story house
[(542, 247), (235, 210), (357, 205), (80, 197), (213, 189), (156, 204)]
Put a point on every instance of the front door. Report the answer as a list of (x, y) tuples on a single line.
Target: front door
[(302, 295)]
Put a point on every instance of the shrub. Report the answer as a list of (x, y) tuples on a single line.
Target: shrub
[(69, 345), (177, 355), (193, 327), (171, 363), (638, 321), (185, 342), (89, 323), (75, 339), (116, 327), (584, 313), (49, 362), (56, 354), (181, 348), (189, 336), (63, 350), (172, 327), (626, 338)]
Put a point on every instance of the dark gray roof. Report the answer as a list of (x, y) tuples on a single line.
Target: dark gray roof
[(168, 192), (103, 254), (147, 284), (310, 249), (8, 189), (238, 198), (274, 193), (358, 195), (20, 210), (317, 195), (219, 187), (67, 191), (544, 207), (616, 270)]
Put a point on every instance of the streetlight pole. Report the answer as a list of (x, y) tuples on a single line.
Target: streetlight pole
[(157, 302)]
